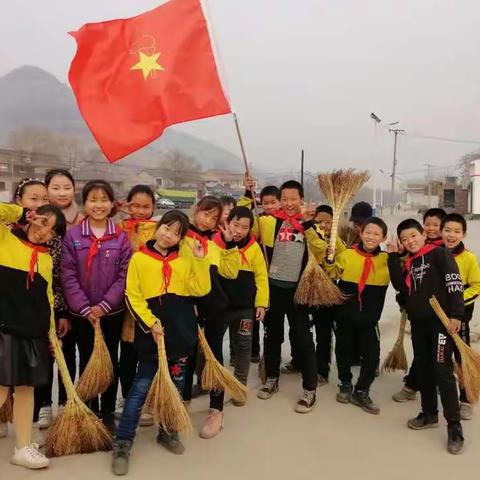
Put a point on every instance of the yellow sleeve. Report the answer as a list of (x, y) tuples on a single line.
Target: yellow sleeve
[(264, 230), (340, 245), (229, 263), (199, 282), (317, 246), (336, 268), (136, 302), (260, 272), (245, 202), (473, 281), (9, 213)]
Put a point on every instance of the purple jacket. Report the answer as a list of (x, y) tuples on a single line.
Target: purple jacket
[(105, 285)]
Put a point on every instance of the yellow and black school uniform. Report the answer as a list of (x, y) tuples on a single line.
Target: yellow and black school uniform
[(26, 304), (364, 277), (245, 293)]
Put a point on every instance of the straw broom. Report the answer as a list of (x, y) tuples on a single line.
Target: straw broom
[(339, 187), (216, 377), (6, 412), (76, 429), (163, 400), (397, 360), (98, 374), (470, 364)]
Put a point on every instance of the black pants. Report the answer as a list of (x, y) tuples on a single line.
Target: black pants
[(112, 331), (433, 349), (240, 323), (128, 366), (256, 339), (411, 379), (323, 322), (43, 394), (365, 335), (281, 304)]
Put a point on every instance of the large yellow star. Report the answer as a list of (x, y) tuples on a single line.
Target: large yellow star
[(147, 64)]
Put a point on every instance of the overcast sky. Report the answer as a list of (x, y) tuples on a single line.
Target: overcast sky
[(307, 73)]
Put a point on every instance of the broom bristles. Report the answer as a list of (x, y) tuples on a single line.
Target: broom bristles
[(98, 374), (6, 412), (76, 429), (215, 377), (397, 359), (316, 288), (470, 364), (164, 400)]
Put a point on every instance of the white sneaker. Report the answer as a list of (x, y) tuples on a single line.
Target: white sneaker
[(44, 418), (3, 430), (119, 409), (29, 457)]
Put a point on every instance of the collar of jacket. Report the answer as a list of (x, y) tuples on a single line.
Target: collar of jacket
[(207, 234), (151, 246), (460, 248), (358, 247), (87, 231)]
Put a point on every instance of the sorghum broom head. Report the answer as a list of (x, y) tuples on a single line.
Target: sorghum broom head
[(98, 374), (164, 401), (316, 288), (470, 364), (6, 412), (397, 360), (216, 377), (76, 429)]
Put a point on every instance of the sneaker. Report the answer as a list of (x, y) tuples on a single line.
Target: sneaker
[(362, 399), (44, 418), (289, 368), (455, 439), (307, 402), (405, 395), (213, 424), (344, 392), (29, 457), (197, 391), (146, 420), (120, 456), (255, 359), (170, 441), (238, 403), (269, 389), (3, 430), (466, 411), (39, 437), (423, 421), (119, 409), (321, 380)]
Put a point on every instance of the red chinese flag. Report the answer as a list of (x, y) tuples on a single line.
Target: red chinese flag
[(135, 77)]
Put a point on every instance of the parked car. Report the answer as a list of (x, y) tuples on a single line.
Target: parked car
[(165, 203)]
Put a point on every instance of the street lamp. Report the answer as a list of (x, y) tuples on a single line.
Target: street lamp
[(376, 122)]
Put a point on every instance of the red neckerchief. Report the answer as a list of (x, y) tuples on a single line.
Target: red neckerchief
[(203, 240), (95, 245), (167, 268), (36, 249), (243, 250), (409, 260), (293, 220), (438, 242), (367, 268)]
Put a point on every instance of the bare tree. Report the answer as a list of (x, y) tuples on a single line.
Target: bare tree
[(181, 168)]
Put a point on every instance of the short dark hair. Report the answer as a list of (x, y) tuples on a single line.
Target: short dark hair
[(98, 185), (293, 185), (141, 189), (457, 218), (360, 212), (60, 226), (325, 209), (270, 191), (409, 223), (228, 200), (375, 221), (241, 212), (174, 216), (440, 213), (23, 184), (58, 172)]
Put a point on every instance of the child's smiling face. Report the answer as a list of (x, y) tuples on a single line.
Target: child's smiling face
[(432, 226)]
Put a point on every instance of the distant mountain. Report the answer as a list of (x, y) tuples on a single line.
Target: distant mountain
[(30, 96)]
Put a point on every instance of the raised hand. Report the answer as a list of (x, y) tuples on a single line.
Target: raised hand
[(197, 249), (393, 245), (308, 211), (123, 206), (227, 234), (35, 219), (249, 182)]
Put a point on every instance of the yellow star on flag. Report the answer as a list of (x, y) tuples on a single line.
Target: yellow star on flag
[(147, 64)]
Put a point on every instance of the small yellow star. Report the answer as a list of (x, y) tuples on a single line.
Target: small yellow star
[(147, 64)]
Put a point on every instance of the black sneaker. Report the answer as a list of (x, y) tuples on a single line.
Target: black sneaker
[(362, 399), (120, 456), (455, 439), (307, 402), (170, 441), (344, 392), (269, 389), (423, 421)]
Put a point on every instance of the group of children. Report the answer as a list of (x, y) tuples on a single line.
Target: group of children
[(65, 271)]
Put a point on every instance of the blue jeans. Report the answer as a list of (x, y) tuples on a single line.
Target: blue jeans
[(139, 391)]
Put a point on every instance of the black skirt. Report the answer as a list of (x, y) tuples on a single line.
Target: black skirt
[(23, 361)]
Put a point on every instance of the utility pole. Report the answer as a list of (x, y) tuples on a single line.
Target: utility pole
[(429, 184), (395, 132), (376, 122), (301, 166)]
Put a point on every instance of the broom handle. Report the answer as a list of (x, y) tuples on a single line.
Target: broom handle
[(62, 366), (333, 236)]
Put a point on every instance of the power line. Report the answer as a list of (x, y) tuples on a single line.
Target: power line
[(443, 139)]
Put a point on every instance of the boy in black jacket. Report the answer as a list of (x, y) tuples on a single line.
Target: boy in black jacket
[(430, 270)]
